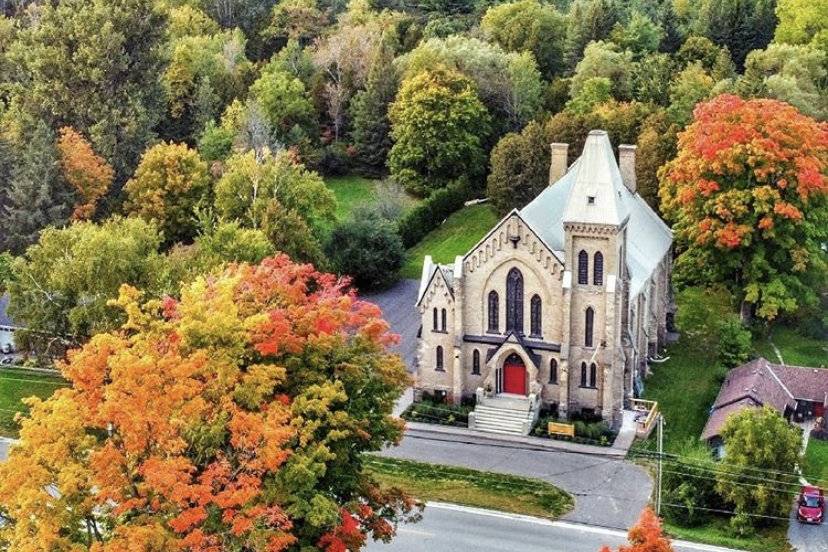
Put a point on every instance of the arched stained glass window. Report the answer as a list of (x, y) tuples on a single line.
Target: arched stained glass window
[(439, 359), (583, 374), (593, 373), (535, 316), (476, 362), (443, 319), (514, 301), (494, 308), (435, 326), (588, 323), (553, 371), (583, 267), (598, 269)]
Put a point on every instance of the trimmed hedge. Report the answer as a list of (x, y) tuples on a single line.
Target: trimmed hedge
[(429, 214)]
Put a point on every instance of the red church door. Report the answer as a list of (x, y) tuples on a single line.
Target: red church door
[(514, 375)]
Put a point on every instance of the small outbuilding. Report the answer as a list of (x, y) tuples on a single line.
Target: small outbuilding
[(798, 393)]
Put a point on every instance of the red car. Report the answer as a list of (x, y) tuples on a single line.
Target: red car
[(811, 506)]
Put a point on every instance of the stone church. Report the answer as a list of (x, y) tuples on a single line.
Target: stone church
[(561, 304)]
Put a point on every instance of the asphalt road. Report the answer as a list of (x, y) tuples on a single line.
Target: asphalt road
[(397, 304), (448, 528), (609, 492)]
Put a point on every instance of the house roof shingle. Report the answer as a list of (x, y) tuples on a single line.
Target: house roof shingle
[(762, 383)]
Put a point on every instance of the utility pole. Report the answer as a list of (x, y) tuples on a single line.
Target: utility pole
[(660, 430)]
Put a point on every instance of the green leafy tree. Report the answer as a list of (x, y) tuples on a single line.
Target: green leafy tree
[(247, 187), (753, 222), (284, 100), (170, 181), (656, 145), (35, 194), (528, 26), (370, 126), (740, 25), (588, 21), (299, 20), (603, 59), (439, 126), (289, 233), (508, 84), (651, 78), (802, 22), (95, 65), (759, 441), (716, 60), (593, 92), (797, 75), (519, 168), (639, 34), (690, 87), (61, 286), (189, 20), (369, 250)]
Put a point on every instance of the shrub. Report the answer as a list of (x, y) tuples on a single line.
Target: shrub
[(433, 411), (367, 249), (734, 342), (429, 214)]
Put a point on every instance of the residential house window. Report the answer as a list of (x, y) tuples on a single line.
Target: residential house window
[(435, 327), (535, 312), (583, 374), (592, 374), (439, 358), (494, 307), (589, 319), (476, 362), (583, 267), (443, 320), (514, 301), (598, 269), (553, 371)]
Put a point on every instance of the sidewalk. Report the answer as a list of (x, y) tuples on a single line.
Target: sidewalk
[(470, 436)]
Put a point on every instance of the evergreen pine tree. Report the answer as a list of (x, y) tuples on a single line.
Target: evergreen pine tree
[(369, 110), (589, 20), (36, 194)]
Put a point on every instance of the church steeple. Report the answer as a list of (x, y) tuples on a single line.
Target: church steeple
[(597, 194)]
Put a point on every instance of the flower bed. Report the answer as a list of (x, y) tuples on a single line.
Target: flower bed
[(432, 411), (588, 431)]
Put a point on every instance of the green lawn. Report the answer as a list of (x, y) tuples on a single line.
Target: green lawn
[(769, 539), (795, 348), (493, 491), (685, 387), (350, 192), (454, 237), (816, 462), (17, 384)]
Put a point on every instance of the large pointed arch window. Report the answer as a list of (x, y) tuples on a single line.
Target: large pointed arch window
[(535, 316), (598, 269), (583, 267), (494, 308), (514, 301), (589, 320)]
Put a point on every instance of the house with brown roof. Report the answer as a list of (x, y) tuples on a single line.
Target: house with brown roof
[(797, 392)]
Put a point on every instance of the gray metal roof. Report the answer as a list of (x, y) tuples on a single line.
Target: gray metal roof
[(4, 317), (595, 173)]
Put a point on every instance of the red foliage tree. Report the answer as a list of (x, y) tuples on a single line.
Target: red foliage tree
[(645, 536), (748, 195)]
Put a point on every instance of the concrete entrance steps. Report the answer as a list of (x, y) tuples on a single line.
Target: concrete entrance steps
[(503, 414)]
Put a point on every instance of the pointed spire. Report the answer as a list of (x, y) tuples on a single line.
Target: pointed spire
[(597, 195)]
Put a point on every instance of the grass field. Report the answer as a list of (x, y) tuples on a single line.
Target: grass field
[(494, 491), (816, 462), (769, 539), (350, 192), (17, 384), (454, 237), (795, 348)]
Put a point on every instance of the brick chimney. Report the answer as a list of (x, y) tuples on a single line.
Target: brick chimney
[(558, 164), (626, 163)]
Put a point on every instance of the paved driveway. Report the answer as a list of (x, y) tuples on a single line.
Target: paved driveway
[(608, 492), (807, 538), (397, 304)]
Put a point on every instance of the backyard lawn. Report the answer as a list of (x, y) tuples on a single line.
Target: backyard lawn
[(17, 384), (795, 348), (350, 192), (816, 462), (455, 236), (493, 491)]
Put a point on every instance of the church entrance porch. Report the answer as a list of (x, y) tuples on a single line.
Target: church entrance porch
[(514, 376)]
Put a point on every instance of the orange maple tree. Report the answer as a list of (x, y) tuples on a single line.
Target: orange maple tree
[(88, 173), (748, 195), (233, 418), (645, 535)]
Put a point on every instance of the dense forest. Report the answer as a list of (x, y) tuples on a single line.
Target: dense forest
[(179, 134)]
